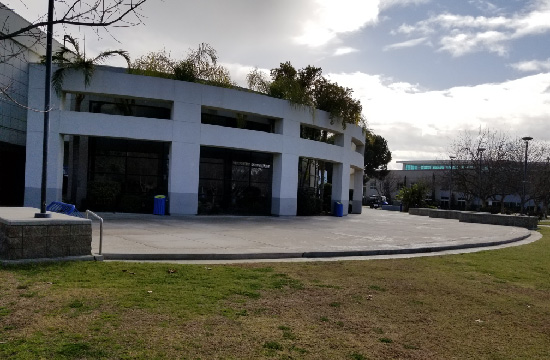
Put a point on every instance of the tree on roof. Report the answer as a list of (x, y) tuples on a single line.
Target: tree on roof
[(74, 60)]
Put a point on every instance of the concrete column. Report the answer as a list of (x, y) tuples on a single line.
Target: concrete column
[(285, 184), (357, 204), (33, 169), (184, 159), (82, 175), (183, 180), (340, 185), (55, 168)]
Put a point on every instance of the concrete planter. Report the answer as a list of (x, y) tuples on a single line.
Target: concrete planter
[(24, 237), (529, 222)]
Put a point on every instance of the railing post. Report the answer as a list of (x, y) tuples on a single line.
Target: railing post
[(88, 212)]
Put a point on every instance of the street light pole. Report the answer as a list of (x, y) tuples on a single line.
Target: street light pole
[(526, 139), (480, 152), (47, 102), (451, 182)]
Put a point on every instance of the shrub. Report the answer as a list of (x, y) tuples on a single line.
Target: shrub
[(308, 203)]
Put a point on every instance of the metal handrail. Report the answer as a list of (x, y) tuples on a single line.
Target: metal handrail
[(88, 212)]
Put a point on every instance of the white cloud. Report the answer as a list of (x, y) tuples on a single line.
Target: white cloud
[(459, 44), (344, 50), (485, 6), (406, 44), (532, 66), (421, 123), (461, 34), (385, 4), (333, 18)]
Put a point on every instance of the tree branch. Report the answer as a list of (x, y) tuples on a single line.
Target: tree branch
[(4, 91), (93, 16)]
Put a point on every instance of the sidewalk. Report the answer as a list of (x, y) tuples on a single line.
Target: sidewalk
[(374, 233)]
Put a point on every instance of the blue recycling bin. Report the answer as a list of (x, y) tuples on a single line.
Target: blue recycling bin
[(338, 209), (159, 205)]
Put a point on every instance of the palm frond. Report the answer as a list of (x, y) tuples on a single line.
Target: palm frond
[(107, 54), (57, 80)]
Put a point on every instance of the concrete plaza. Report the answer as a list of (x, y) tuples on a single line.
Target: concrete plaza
[(372, 234)]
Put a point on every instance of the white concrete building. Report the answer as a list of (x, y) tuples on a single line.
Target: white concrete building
[(204, 147), (15, 56)]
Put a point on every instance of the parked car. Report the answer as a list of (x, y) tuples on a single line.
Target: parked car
[(375, 201)]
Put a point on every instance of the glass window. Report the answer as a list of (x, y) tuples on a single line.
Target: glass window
[(243, 182)]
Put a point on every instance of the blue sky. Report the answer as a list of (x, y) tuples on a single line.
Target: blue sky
[(425, 70)]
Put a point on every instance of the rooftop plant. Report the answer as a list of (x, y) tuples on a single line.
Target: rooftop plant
[(308, 87), (72, 59), (200, 65)]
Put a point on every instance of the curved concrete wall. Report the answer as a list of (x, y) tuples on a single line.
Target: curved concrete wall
[(186, 134)]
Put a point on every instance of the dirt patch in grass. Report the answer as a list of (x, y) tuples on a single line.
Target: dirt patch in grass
[(487, 305)]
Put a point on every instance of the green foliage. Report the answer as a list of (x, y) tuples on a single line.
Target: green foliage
[(377, 156), (308, 203), (414, 196), (307, 87), (154, 63), (185, 71), (273, 345), (200, 65), (338, 102), (258, 81), (72, 60)]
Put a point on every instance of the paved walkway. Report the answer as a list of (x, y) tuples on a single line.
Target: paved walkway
[(374, 233)]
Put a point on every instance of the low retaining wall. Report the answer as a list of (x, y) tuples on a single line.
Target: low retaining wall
[(445, 214), (529, 222), (420, 211), (24, 237), (391, 207)]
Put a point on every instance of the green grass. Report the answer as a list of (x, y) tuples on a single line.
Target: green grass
[(485, 305)]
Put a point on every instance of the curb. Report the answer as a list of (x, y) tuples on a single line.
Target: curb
[(49, 260), (307, 255)]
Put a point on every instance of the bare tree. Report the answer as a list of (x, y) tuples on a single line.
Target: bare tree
[(387, 185), (490, 166), (91, 13), (16, 37)]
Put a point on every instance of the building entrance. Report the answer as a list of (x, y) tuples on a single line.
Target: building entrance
[(234, 182), (125, 175)]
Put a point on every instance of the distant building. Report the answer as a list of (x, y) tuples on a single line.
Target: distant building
[(436, 175)]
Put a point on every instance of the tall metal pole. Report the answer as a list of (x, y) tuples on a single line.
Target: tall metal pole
[(480, 152), (47, 104), (526, 139)]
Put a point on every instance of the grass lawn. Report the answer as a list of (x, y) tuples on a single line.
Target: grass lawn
[(486, 305)]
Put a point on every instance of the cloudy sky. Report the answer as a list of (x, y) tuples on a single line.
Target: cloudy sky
[(424, 70)]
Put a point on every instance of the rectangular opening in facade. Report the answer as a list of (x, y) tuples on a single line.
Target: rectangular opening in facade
[(317, 134), (233, 119), (121, 106), (125, 175), (357, 146), (314, 186), (235, 182)]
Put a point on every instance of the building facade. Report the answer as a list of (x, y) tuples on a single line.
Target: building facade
[(436, 174), (15, 56), (208, 149)]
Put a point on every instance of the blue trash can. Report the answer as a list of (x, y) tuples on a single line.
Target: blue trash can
[(159, 205), (338, 209)]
